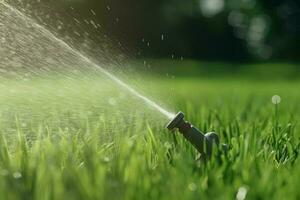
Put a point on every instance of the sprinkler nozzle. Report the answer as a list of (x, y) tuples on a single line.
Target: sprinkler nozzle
[(178, 119), (202, 142)]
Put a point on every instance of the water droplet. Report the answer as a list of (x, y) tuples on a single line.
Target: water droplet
[(76, 33), (17, 175), (130, 143), (242, 193), (106, 159), (162, 37), (93, 12), (276, 99), (108, 8), (3, 40), (112, 101), (81, 165), (77, 21), (192, 187), (94, 24), (86, 21), (168, 145)]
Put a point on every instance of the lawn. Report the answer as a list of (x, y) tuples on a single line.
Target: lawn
[(82, 137)]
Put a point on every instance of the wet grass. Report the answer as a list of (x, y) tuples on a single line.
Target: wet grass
[(85, 139)]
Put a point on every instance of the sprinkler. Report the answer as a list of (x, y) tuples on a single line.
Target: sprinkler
[(202, 142)]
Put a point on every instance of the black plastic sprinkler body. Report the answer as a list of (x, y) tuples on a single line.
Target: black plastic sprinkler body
[(202, 142)]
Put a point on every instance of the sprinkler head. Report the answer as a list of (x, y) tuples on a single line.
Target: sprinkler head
[(179, 123), (202, 142), (178, 119)]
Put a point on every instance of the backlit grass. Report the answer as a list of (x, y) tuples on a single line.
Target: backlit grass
[(86, 139)]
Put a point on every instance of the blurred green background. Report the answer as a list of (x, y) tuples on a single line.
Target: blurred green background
[(212, 30), (222, 30)]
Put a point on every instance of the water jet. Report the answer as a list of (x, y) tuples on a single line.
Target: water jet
[(84, 58)]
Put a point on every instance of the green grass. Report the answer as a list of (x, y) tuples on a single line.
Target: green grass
[(84, 138)]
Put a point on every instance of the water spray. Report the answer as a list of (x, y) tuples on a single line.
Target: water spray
[(86, 59), (202, 142)]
